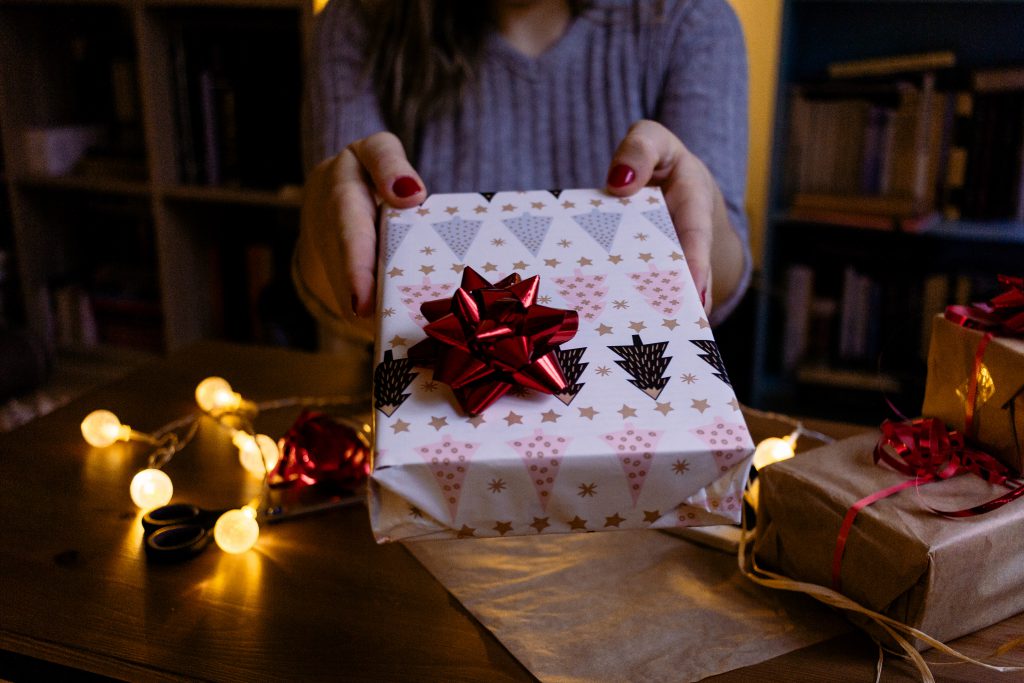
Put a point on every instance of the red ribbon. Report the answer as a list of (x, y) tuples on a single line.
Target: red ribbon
[(925, 451), (487, 339), (1003, 315), (318, 448)]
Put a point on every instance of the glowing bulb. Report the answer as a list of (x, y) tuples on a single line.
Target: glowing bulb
[(151, 488), (237, 530), (214, 394), (773, 449), (101, 428), (258, 455)]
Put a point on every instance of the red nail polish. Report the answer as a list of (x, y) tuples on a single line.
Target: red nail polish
[(621, 175), (704, 296), (406, 186)]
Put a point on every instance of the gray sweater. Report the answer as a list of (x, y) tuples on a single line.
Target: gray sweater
[(553, 122)]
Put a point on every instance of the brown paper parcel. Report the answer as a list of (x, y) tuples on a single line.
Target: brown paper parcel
[(999, 414), (946, 577)]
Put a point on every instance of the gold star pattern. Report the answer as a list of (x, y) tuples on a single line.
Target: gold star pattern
[(457, 267), (466, 531), (426, 269), (423, 211), (480, 209), (568, 205), (664, 408), (452, 210), (603, 370), (438, 422), (519, 265), (549, 416), (537, 205), (735, 404), (489, 267), (429, 386), (603, 329), (676, 256), (476, 420), (396, 272), (625, 201), (670, 323), (653, 200), (588, 412), (652, 516), (645, 256), (427, 250), (393, 214), (578, 524), (702, 323), (700, 405), (614, 258), (596, 202), (388, 312), (564, 243), (620, 304), (508, 207), (614, 520), (544, 299), (551, 262), (400, 426), (640, 237), (637, 326), (587, 490), (503, 527), (540, 524), (513, 419), (680, 466), (398, 341), (497, 485), (498, 242), (584, 261), (689, 378), (626, 411)]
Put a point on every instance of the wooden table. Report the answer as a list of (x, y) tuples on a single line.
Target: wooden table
[(316, 600)]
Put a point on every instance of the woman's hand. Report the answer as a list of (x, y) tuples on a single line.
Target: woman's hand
[(337, 246), (651, 154)]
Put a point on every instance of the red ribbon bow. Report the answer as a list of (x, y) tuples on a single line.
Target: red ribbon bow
[(489, 338), (1002, 315), (925, 451)]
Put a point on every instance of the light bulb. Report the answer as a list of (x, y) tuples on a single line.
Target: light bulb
[(773, 449), (151, 488), (214, 394), (258, 455), (236, 530), (101, 428)]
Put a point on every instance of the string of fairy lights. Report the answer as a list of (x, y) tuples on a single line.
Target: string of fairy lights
[(237, 530)]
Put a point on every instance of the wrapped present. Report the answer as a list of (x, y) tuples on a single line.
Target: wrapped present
[(898, 555), (976, 385), (544, 365)]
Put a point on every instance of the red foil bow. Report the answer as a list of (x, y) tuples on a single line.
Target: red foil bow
[(1003, 315), (489, 338), (318, 448)]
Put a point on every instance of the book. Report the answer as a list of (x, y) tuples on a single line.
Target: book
[(799, 295)]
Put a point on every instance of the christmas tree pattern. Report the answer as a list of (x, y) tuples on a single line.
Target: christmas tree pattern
[(583, 293), (662, 289), (449, 461), (572, 367), (635, 450), (645, 363), (458, 234), (530, 230), (712, 357), (542, 454), (729, 442), (395, 234), (414, 295), (391, 378), (662, 221), (601, 225)]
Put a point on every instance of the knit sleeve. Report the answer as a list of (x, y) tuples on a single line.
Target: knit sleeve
[(704, 102), (340, 105)]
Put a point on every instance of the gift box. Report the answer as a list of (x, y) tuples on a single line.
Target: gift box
[(946, 577), (646, 431), (998, 409)]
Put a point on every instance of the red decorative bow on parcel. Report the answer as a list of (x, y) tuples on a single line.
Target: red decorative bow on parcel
[(489, 338)]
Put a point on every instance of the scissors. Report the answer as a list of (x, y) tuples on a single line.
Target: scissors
[(177, 532)]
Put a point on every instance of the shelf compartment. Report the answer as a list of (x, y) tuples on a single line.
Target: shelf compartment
[(289, 197)]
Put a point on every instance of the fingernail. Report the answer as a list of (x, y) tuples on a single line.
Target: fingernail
[(704, 296), (406, 186), (621, 175), (355, 305)]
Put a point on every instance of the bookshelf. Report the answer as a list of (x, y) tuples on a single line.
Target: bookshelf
[(869, 230), (152, 170)]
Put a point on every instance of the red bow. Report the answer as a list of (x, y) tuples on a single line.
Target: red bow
[(1002, 315), (489, 338)]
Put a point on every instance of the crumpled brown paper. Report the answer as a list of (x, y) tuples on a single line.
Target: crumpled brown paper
[(630, 606), (1000, 430), (946, 577)]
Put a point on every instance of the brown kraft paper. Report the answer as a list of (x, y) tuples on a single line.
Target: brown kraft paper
[(999, 413), (946, 577)]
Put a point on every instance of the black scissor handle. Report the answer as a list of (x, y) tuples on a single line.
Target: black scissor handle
[(167, 515), (176, 542)]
